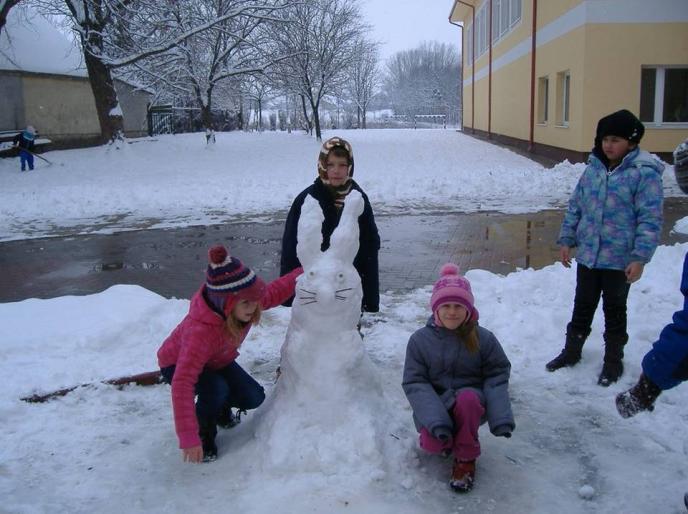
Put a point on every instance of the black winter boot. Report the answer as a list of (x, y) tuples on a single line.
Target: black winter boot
[(207, 430), (571, 353), (612, 368), (638, 398)]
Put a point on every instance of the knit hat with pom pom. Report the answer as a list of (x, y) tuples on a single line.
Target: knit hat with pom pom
[(228, 279), (452, 288)]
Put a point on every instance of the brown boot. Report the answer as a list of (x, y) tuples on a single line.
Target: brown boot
[(463, 476)]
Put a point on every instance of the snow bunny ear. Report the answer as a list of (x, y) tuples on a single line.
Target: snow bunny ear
[(344, 240), (309, 232)]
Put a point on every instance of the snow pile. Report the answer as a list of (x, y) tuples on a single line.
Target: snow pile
[(102, 450)]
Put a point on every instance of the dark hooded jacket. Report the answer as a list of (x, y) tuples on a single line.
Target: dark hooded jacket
[(366, 260)]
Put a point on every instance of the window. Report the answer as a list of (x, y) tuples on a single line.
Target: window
[(505, 14), (563, 97), (664, 95), (515, 14), (543, 99)]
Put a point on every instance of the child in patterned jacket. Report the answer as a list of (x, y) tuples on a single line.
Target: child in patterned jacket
[(614, 220)]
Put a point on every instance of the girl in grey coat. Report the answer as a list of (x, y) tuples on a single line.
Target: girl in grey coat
[(456, 376)]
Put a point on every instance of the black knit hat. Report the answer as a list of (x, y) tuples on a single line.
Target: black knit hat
[(621, 123)]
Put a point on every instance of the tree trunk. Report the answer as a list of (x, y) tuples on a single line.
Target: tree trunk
[(105, 96), (316, 121), (5, 10), (363, 118), (206, 117), (305, 114)]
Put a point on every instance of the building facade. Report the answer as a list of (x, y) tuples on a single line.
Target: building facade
[(539, 74), (44, 83)]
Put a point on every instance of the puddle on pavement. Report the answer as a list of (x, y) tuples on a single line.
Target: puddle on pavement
[(118, 266)]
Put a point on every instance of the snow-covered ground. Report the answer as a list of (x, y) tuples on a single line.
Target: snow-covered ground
[(100, 449), (178, 180)]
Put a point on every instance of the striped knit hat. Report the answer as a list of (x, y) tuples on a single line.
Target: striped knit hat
[(325, 151), (452, 288), (228, 280)]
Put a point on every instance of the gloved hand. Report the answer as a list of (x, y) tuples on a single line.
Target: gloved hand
[(638, 398), (443, 434), (502, 431)]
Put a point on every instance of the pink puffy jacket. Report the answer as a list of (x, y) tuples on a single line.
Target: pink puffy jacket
[(200, 341)]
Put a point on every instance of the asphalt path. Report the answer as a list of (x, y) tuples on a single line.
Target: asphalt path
[(171, 262)]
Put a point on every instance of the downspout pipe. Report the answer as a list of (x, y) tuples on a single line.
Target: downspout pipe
[(489, 77), (533, 45), (472, 8), (462, 66)]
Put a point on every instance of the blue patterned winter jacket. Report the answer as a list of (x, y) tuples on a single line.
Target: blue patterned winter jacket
[(615, 217)]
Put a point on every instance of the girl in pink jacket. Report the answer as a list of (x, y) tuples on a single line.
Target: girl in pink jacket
[(199, 357)]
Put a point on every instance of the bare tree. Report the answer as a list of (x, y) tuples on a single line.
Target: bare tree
[(320, 36), (425, 80), (5, 6), (201, 62), (365, 77), (258, 88), (119, 33)]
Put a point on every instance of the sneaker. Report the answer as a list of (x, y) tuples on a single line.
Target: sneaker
[(611, 372), (463, 476)]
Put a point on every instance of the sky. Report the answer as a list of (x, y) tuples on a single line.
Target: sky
[(101, 449), (404, 24)]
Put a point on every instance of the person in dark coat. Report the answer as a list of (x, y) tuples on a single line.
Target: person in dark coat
[(25, 142), (666, 365), (456, 376), (334, 182)]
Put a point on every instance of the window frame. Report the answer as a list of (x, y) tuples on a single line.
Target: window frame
[(659, 87)]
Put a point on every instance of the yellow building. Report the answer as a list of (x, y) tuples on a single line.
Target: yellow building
[(539, 74)]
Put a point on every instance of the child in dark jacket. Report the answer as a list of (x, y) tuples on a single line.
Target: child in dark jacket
[(333, 184), (456, 376), (25, 142), (199, 356), (614, 221)]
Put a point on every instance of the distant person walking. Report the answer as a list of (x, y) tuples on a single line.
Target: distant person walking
[(25, 142)]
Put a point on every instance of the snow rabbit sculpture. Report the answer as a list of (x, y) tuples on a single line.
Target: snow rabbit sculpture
[(326, 408)]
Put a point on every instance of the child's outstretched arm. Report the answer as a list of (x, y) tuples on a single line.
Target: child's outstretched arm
[(281, 289)]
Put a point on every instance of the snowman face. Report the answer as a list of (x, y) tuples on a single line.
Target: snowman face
[(329, 293)]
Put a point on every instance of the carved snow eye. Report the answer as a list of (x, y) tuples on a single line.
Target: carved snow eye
[(340, 277), (311, 274)]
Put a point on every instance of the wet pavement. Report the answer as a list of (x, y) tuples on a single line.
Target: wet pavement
[(171, 262)]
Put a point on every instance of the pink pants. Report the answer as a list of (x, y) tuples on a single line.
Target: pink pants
[(467, 413)]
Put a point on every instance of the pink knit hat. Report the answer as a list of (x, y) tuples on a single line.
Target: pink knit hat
[(452, 288)]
